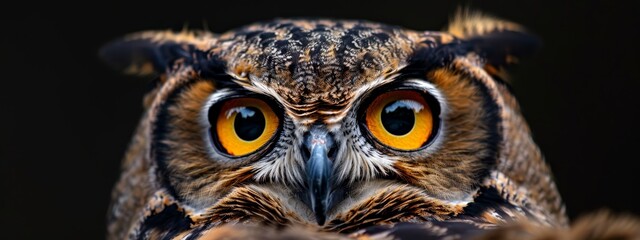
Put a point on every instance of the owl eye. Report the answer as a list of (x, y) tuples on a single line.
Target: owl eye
[(400, 119), (243, 125)]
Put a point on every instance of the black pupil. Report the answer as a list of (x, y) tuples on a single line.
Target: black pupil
[(249, 123), (397, 120)]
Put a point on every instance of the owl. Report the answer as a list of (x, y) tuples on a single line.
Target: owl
[(335, 129)]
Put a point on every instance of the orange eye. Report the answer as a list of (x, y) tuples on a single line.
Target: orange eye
[(244, 125), (400, 119)]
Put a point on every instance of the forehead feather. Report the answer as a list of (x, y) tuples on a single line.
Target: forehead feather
[(317, 61)]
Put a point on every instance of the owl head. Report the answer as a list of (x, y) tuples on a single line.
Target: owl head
[(337, 125)]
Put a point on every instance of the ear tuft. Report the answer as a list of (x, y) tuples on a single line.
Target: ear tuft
[(151, 52), (498, 41), (467, 23)]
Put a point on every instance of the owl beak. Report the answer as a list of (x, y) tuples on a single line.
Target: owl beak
[(319, 148)]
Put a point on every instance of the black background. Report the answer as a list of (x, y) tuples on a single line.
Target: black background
[(66, 119)]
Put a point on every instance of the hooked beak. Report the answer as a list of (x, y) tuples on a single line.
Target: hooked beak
[(319, 145)]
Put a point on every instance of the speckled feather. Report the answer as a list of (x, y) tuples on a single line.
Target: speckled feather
[(483, 176)]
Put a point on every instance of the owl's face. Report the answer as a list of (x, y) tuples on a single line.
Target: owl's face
[(334, 124)]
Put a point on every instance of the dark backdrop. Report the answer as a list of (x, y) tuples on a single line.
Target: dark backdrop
[(66, 119)]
